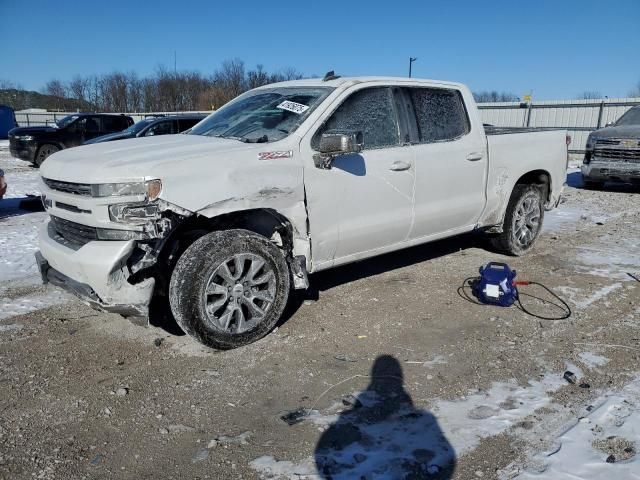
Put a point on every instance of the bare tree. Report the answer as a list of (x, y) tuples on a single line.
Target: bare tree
[(589, 95), (494, 96), (165, 90), (636, 90)]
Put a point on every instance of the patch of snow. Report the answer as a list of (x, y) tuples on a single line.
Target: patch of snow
[(11, 327), (610, 261), (592, 360), (576, 457), (18, 243), (31, 303), (579, 300), (22, 183), (466, 421)]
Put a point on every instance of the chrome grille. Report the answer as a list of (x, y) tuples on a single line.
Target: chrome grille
[(69, 187), (73, 232), (607, 141), (618, 154)]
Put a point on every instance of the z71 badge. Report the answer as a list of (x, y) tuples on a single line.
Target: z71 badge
[(275, 155)]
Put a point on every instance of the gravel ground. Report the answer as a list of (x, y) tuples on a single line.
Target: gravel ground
[(89, 395)]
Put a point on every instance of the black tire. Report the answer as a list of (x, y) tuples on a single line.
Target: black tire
[(509, 241), (44, 152), (592, 184), (196, 273)]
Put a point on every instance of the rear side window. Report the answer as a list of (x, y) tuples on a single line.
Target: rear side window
[(161, 128), (187, 123), (114, 124), (369, 111), (440, 114)]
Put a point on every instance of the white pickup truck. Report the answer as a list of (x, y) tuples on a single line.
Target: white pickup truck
[(287, 179)]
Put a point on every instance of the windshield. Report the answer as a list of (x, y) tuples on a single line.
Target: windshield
[(263, 115), (64, 121), (137, 127), (632, 117)]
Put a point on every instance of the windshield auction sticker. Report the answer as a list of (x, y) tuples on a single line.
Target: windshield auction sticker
[(293, 107)]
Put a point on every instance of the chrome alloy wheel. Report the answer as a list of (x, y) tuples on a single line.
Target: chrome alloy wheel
[(239, 292), (527, 220)]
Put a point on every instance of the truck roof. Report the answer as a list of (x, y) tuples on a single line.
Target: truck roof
[(348, 81)]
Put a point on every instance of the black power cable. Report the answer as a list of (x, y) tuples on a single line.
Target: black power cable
[(469, 283), (566, 314)]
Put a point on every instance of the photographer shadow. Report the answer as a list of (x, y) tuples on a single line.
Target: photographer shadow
[(383, 435)]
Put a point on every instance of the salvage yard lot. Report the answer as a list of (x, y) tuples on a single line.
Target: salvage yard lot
[(85, 394)]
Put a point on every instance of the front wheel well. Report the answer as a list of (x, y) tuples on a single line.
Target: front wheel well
[(265, 222)]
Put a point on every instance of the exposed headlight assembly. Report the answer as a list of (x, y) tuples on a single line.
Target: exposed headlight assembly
[(151, 189), (591, 142), (24, 138), (134, 212)]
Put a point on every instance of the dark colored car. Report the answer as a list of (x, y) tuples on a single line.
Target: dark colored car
[(35, 144), (163, 125), (613, 152)]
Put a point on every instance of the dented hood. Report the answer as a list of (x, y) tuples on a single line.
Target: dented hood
[(137, 158), (198, 173)]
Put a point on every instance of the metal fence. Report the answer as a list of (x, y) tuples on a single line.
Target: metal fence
[(579, 117), (28, 119)]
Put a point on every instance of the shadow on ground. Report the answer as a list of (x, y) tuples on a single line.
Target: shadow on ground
[(12, 207), (574, 179), (383, 435)]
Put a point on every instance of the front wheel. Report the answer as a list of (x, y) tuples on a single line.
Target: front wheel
[(522, 221), (229, 288), (45, 151)]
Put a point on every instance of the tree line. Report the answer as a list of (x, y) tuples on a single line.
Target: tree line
[(165, 90)]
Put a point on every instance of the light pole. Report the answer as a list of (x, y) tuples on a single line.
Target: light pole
[(411, 60)]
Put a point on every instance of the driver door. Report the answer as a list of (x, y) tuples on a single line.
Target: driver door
[(363, 205)]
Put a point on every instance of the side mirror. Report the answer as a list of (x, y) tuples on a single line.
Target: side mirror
[(333, 144)]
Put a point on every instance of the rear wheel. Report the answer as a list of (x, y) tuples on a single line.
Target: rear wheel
[(229, 288), (45, 151), (522, 221)]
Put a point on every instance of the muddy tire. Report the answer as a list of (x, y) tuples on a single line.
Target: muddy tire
[(522, 221), (44, 152), (229, 288)]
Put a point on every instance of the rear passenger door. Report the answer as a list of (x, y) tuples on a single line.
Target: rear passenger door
[(450, 161)]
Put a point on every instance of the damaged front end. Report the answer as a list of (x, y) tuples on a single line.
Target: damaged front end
[(110, 269)]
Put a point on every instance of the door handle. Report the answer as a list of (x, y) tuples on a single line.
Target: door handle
[(475, 156), (399, 165)]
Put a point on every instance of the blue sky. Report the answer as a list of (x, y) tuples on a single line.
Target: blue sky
[(558, 49)]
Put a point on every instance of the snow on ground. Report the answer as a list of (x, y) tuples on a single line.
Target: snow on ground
[(601, 446), (18, 241)]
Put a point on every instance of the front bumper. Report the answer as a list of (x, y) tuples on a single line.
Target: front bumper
[(22, 150), (628, 172), (97, 273)]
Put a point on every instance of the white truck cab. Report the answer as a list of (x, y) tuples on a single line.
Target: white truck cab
[(285, 180)]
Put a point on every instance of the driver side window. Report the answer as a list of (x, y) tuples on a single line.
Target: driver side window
[(369, 111), (162, 128)]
